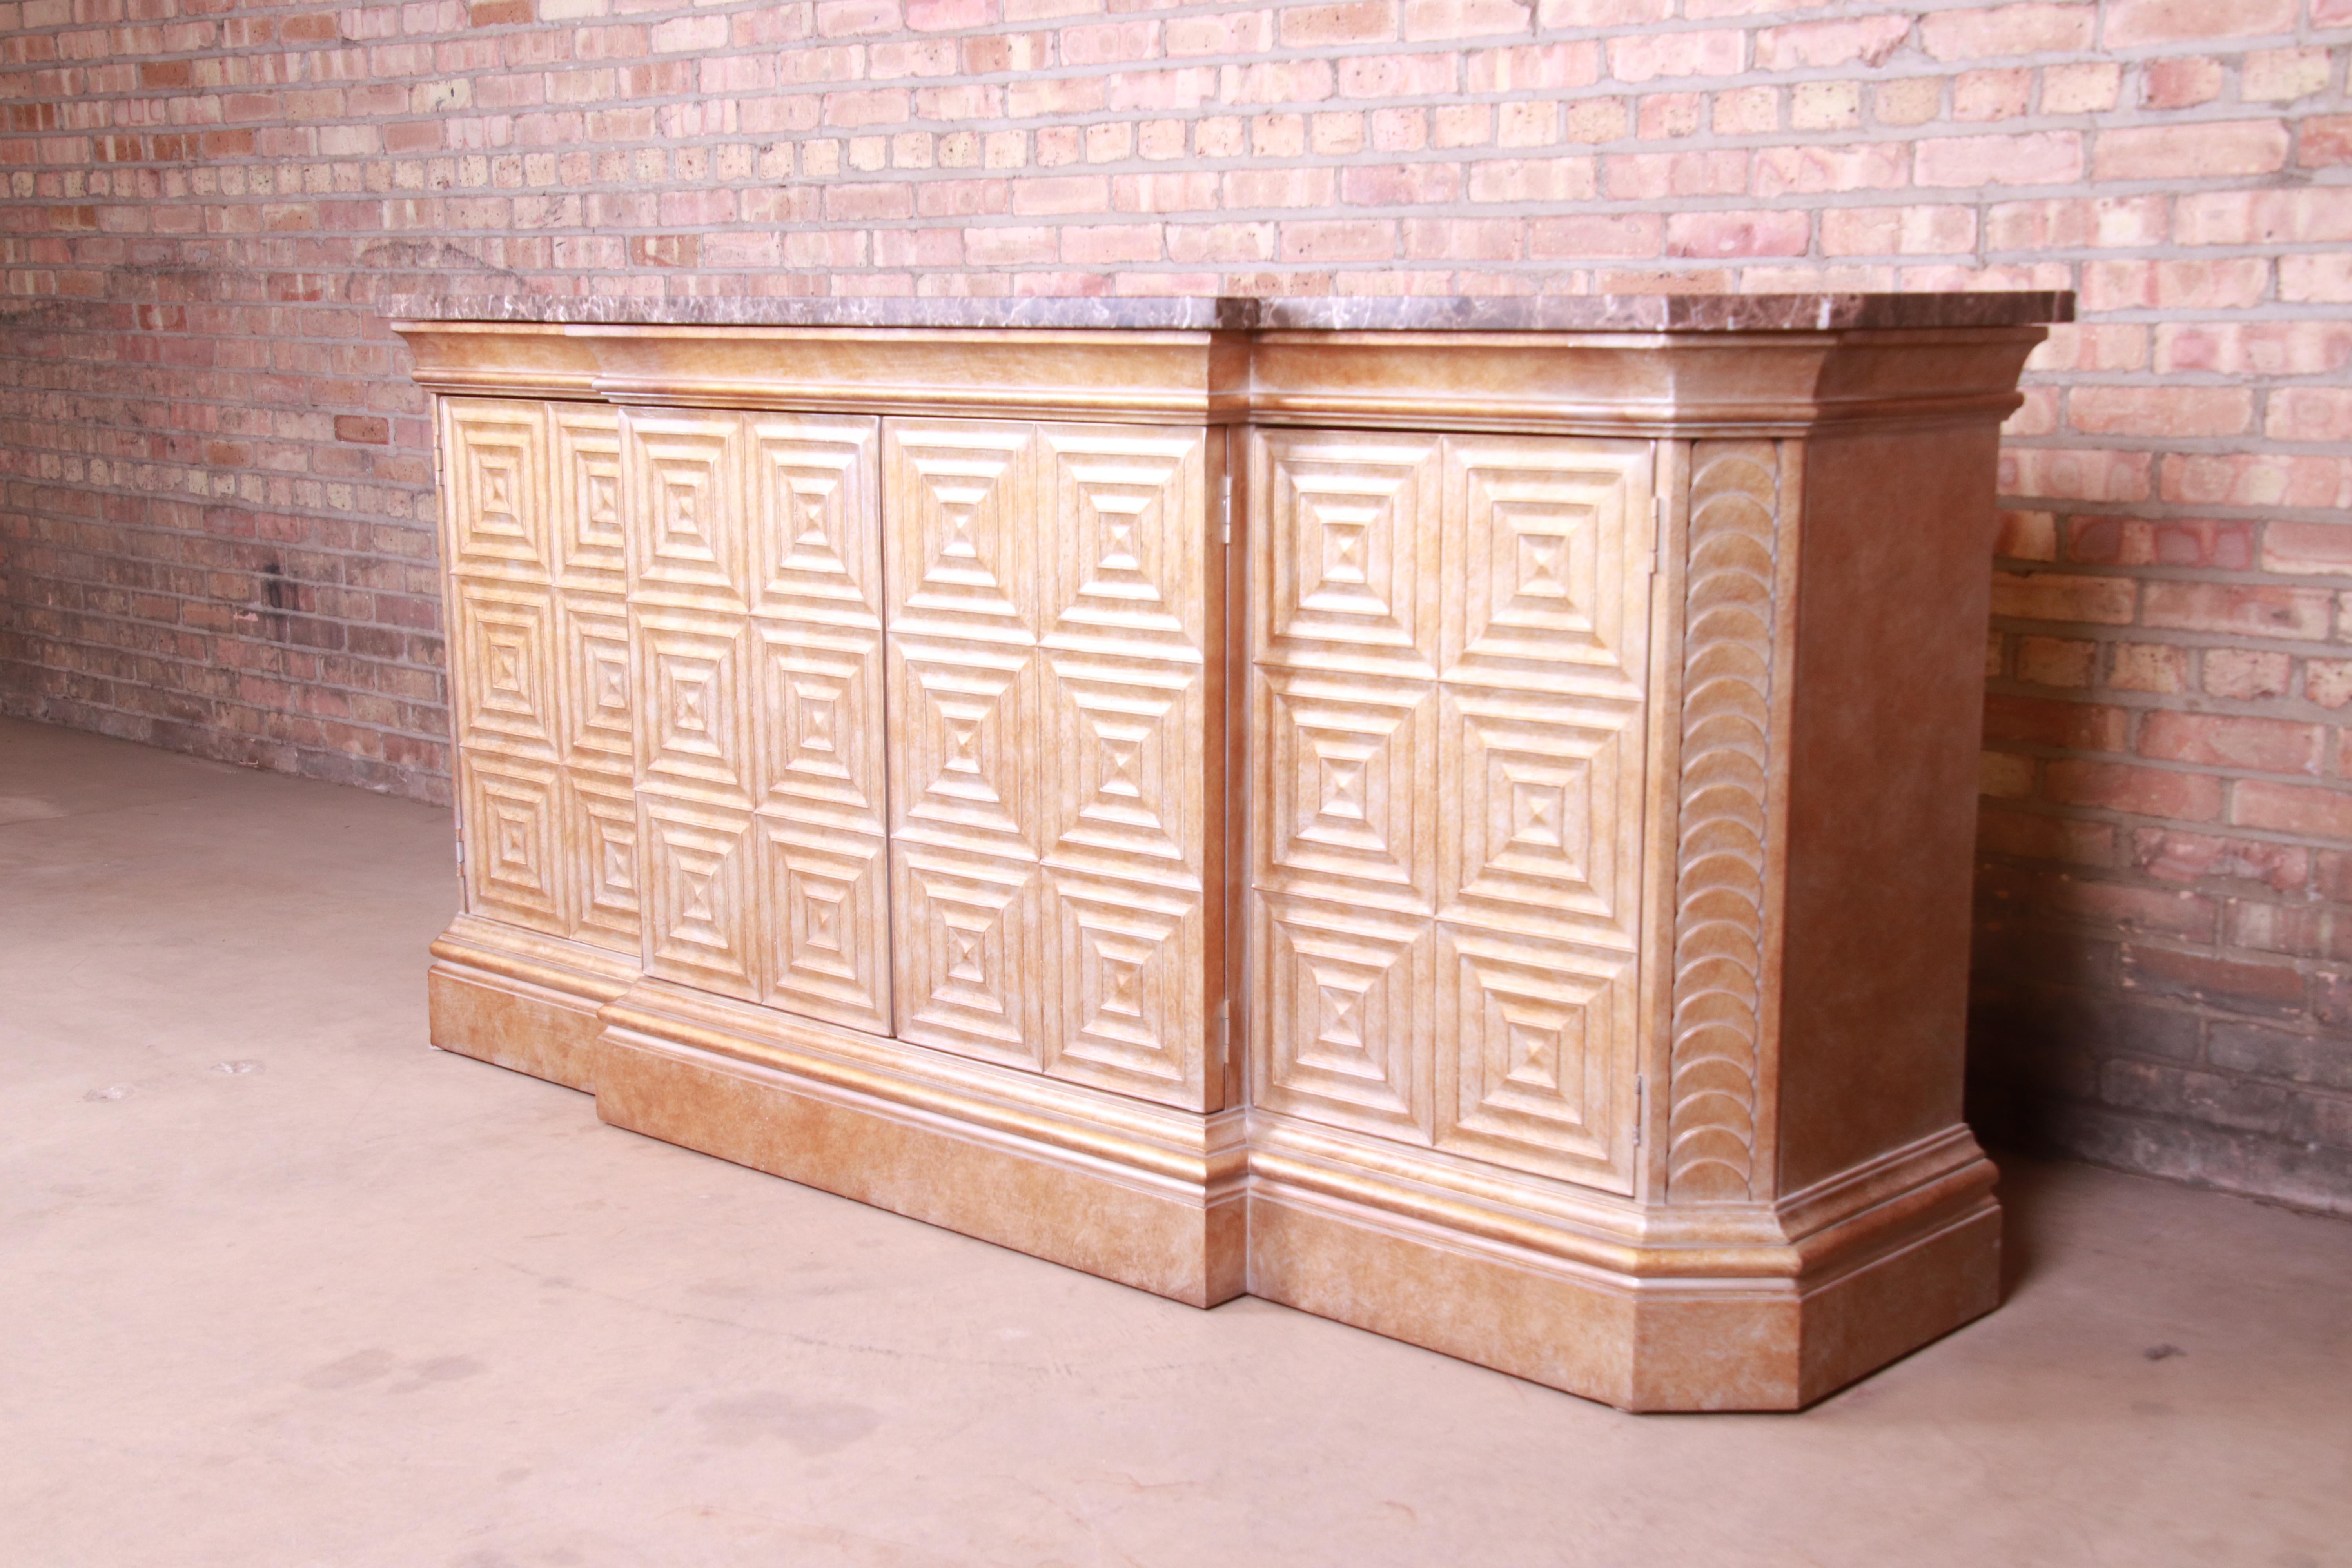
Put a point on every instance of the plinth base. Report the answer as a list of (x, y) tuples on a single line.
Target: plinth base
[(1755, 1308)]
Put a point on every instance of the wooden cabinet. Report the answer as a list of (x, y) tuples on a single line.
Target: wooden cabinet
[(1461, 831)]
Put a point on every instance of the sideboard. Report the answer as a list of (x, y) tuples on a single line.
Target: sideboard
[(1453, 814)]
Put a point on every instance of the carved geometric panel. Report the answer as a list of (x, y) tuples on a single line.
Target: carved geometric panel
[(1124, 996), (1534, 1040), (963, 752), (599, 715), (512, 870), (687, 520), (818, 714), (604, 878), (1542, 832), (823, 912), (964, 939), (1450, 640), (1347, 550), (1552, 543), (1123, 564), (698, 909), (1347, 771), (495, 483), (691, 697), (816, 548), (961, 528), (592, 547), (1340, 1017), (503, 668)]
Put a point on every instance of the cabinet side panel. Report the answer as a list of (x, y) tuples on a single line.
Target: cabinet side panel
[(1890, 626)]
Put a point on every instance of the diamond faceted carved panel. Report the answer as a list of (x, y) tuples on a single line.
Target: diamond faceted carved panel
[(599, 713), (692, 700), (817, 619), (698, 909), (961, 518), (816, 547), (1535, 1045), (1347, 550), (592, 546), (965, 944), (1124, 985), (823, 911), (504, 675), (1347, 785), (1341, 1013), (1542, 830), (1550, 555), (602, 887), (1450, 640), (495, 481), (684, 473), (963, 755), (1126, 574), (512, 870)]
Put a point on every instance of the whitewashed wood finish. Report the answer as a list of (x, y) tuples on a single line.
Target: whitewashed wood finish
[(815, 572), (1046, 638), (1451, 651), (540, 668), (1122, 747)]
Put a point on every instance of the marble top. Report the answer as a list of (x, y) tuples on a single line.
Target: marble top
[(1483, 313)]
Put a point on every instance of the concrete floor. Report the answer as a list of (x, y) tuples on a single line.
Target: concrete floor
[(283, 1285)]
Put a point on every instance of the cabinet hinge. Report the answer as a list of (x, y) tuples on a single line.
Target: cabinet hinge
[(1225, 509), (461, 854), (1657, 540), (436, 462), (1641, 1106), (1225, 1036)]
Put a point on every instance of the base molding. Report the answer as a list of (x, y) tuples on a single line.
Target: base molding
[(519, 1000), (1754, 1306)]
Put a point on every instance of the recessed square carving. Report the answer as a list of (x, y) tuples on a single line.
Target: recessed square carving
[(512, 873), (699, 908), (504, 675), (1533, 1050), (496, 475)]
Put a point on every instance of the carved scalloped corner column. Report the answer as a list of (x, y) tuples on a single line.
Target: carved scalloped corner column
[(1720, 901)]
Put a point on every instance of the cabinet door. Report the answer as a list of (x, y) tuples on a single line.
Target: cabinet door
[(539, 667), (755, 605), (1049, 618), (1450, 648)]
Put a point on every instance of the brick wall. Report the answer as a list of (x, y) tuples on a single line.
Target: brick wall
[(218, 481)]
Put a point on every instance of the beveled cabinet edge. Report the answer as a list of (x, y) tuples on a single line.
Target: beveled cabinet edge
[(1590, 383)]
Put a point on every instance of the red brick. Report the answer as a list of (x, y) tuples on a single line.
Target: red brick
[(2132, 22), (2303, 810), (2206, 149), (2035, 158), (2241, 609), (2145, 792), (2005, 30), (2247, 987), (2175, 411), (2229, 740)]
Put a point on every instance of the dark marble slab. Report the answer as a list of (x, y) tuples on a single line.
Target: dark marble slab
[(1483, 313)]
